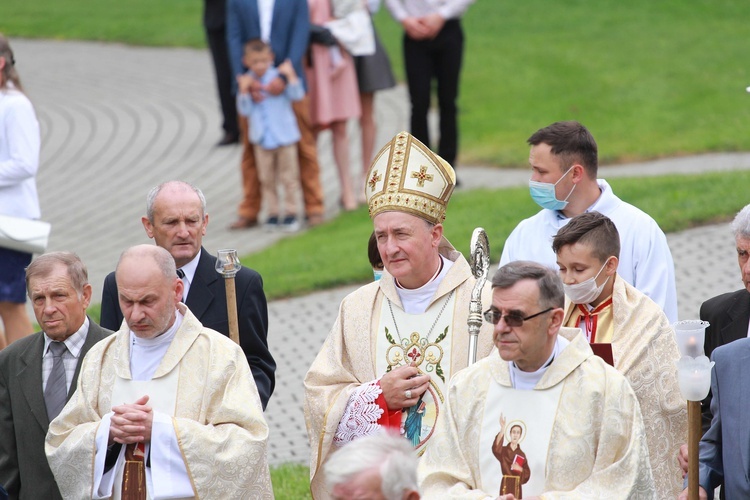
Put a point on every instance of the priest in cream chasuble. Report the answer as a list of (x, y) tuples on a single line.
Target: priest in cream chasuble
[(397, 341), (208, 435), (575, 418)]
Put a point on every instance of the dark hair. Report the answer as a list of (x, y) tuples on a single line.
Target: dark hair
[(550, 287), (373, 253), (571, 142), (256, 45), (592, 229), (9, 72)]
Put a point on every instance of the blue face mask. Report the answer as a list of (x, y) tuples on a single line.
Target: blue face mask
[(543, 193), (378, 273)]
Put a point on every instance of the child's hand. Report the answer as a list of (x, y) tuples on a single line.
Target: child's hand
[(287, 69), (244, 83)]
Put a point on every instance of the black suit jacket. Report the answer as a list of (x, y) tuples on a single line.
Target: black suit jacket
[(728, 315), (24, 471), (208, 302)]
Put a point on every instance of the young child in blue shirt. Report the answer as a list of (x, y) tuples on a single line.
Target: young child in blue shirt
[(273, 131)]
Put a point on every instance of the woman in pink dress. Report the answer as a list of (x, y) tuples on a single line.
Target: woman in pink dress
[(334, 96)]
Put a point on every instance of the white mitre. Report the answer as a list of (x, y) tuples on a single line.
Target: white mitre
[(406, 176)]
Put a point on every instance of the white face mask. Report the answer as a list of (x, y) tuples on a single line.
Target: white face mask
[(587, 291)]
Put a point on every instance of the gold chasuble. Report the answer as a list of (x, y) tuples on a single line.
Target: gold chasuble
[(645, 351), (358, 352), (577, 434)]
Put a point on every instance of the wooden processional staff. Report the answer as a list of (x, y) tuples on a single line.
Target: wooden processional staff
[(228, 264)]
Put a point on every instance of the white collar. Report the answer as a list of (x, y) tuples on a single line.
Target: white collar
[(190, 267), (417, 300), (526, 381)]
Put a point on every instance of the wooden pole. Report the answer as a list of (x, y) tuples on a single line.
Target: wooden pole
[(694, 437), (234, 331)]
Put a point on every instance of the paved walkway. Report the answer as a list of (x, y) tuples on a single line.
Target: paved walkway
[(117, 120)]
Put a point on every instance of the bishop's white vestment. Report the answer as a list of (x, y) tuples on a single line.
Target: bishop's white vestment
[(581, 432), (217, 417), (374, 334)]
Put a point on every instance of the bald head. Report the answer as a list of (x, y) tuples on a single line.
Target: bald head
[(148, 289)]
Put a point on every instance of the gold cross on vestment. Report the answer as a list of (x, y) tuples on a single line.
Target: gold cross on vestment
[(422, 176), (374, 179)]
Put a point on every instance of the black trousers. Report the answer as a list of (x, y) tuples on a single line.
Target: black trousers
[(438, 59), (217, 43)]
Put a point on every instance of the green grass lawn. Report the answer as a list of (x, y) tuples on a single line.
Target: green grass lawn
[(649, 79), (291, 482), (335, 253)]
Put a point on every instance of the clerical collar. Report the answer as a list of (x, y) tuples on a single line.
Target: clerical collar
[(526, 381), (164, 338), (146, 354), (417, 300)]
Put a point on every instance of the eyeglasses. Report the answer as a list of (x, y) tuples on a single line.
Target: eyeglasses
[(512, 319)]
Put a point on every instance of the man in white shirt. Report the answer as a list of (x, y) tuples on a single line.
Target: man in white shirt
[(564, 163), (433, 51), (165, 402)]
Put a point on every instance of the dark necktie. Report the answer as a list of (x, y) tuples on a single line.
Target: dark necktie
[(57, 389), (181, 275)]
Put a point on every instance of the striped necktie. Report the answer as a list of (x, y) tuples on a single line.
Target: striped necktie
[(56, 391)]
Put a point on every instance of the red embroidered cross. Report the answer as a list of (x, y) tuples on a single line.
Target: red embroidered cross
[(422, 176), (375, 178)]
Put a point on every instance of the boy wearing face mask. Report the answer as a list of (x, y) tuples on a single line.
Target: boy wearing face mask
[(611, 311)]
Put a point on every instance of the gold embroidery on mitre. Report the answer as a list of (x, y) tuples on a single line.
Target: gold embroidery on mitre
[(415, 180)]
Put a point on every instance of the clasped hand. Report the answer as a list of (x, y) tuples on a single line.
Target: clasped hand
[(131, 423)]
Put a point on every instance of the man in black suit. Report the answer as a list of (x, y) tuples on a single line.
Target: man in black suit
[(176, 219), (38, 373), (214, 24), (729, 313)]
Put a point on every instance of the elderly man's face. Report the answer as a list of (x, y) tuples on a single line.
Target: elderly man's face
[(366, 486), (530, 344), (743, 258), (408, 246), (59, 309), (179, 223), (148, 299)]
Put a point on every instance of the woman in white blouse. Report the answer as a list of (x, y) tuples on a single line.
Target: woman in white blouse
[(19, 161)]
